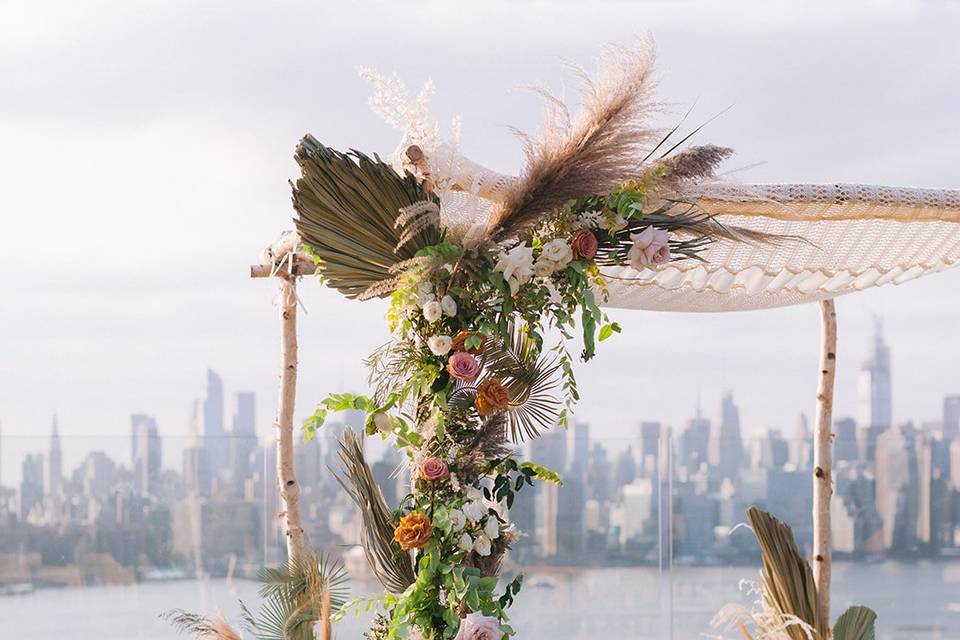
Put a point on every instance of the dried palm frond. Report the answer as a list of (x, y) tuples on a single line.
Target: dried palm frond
[(574, 159), (529, 376), (347, 207), (294, 594), (213, 627), (856, 623), (390, 564), (788, 585)]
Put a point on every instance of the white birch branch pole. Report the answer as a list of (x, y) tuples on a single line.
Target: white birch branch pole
[(282, 260), (823, 459)]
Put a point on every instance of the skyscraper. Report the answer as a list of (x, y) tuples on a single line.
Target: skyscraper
[(243, 442), (845, 443), (580, 440), (210, 414), (726, 445), (53, 476), (145, 453), (951, 416), (874, 398)]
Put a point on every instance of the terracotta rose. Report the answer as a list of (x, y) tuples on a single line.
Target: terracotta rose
[(492, 397), (584, 244), (413, 532)]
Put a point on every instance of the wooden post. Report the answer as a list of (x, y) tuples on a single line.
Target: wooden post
[(823, 458), (286, 476)]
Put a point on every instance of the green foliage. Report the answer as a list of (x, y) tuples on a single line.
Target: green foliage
[(856, 623)]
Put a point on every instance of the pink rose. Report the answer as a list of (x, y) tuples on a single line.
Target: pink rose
[(584, 244), (463, 366), (432, 469), (650, 247), (477, 626)]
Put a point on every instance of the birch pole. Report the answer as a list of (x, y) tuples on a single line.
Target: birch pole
[(286, 476), (823, 459)]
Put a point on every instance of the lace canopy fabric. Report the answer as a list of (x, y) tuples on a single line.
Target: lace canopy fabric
[(853, 237)]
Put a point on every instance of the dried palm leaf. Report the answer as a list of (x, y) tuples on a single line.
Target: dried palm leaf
[(788, 584), (529, 376), (389, 563), (573, 159), (856, 623), (347, 207), (294, 594), (213, 627)]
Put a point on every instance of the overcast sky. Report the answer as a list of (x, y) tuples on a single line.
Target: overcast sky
[(145, 150)]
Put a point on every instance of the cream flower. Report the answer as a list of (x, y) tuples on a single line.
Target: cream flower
[(458, 520), (474, 511), (544, 268), (465, 542), (448, 305), (477, 626), (557, 251), (492, 528), (382, 422), (432, 311), (439, 345), (425, 294), (516, 265), (482, 545), (650, 247)]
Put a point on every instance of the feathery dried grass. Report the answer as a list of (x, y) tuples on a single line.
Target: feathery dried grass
[(693, 164), (201, 627), (572, 159)]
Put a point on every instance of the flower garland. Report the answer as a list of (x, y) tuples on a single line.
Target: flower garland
[(467, 372)]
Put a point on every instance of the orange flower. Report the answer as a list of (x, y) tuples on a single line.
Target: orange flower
[(492, 397), (461, 338), (413, 532)]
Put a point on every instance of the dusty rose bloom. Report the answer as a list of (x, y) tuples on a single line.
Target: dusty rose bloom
[(477, 626), (432, 469), (650, 247), (463, 366), (584, 244)]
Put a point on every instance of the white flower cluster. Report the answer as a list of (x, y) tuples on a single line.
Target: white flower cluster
[(555, 256), (477, 528), (431, 307)]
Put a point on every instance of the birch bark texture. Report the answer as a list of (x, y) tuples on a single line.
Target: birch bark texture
[(823, 458)]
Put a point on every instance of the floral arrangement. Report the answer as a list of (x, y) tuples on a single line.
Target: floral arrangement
[(469, 373)]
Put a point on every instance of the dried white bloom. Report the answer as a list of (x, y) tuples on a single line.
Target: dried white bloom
[(439, 345), (448, 305), (432, 311)]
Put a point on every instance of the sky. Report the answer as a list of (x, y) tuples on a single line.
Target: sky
[(145, 150)]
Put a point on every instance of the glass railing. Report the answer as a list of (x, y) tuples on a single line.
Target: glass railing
[(645, 539)]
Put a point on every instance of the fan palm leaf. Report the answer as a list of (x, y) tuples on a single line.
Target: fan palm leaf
[(856, 623), (347, 208)]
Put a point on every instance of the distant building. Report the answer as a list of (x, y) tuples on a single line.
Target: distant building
[(580, 450), (897, 489), (145, 453), (694, 443), (874, 399), (951, 416), (845, 446), (801, 444), (726, 444), (30, 494), (53, 471), (211, 426), (243, 440)]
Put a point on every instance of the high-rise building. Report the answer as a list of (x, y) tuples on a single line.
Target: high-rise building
[(726, 444), (897, 488), (145, 453), (647, 447), (845, 446), (694, 443), (210, 414), (951, 416), (243, 441), (31, 484), (53, 477), (580, 447), (874, 397), (801, 444)]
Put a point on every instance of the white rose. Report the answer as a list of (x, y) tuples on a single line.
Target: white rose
[(432, 311), (383, 423), (558, 252), (482, 545), (544, 268), (492, 528), (448, 305), (477, 626), (465, 542), (458, 520), (439, 345), (516, 266), (474, 494), (474, 511)]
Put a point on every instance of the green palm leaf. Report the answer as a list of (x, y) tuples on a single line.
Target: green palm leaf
[(347, 206), (856, 623)]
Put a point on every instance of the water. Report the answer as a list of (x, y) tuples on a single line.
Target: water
[(915, 601)]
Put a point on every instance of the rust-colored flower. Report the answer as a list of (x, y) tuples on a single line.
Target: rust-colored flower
[(492, 397), (459, 342), (584, 244), (413, 532), (433, 469)]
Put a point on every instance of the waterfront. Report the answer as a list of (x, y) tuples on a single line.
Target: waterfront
[(914, 601)]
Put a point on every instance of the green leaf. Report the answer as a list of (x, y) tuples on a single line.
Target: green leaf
[(608, 330), (856, 623), (542, 473)]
